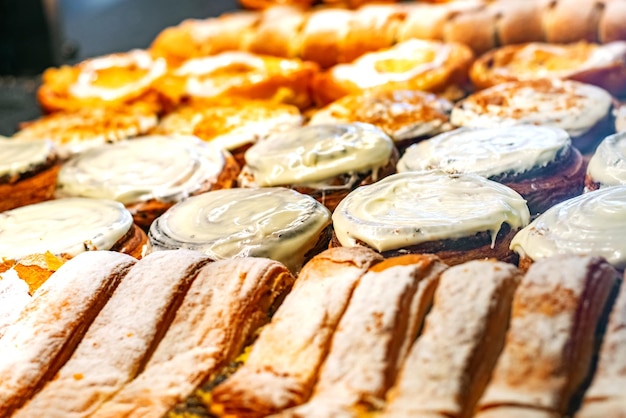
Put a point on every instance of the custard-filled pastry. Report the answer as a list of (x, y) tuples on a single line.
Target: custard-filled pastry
[(458, 217), (324, 161), (111, 81), (68, 227), (407, 116), (75, 131), (593, 223), (276, 223), (601, 65), (413, 64), (607, 165), (238, 74), (582, 110), (538, 162), (148, 174), (28, 172)]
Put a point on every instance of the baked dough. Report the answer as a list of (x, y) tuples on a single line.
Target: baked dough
[(607, 165)]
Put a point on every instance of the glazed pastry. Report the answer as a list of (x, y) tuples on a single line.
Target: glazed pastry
[(283, 363), (607, 166), (76, 131), (381, 322), (67, 227), (117, 343), (620, 118), (217, 317), (28, 171), (538, 162), (407, 116), (35, 347), (276, 223), (582, 110), (450, 364), (591, 224), (111, 80), (433, 66), (147, 182), (324, 161), (541, 367), (458, 217), (601, 65)]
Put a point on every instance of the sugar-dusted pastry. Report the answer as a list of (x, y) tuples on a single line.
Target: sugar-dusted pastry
[(407, 116), (549, 346), (217, 317), (148, 174), (592, 224), (121, 337), (75, 131), (374, 334), (324, 161), (110, 80), (538, 162), (276, 223), (413, 64), (283, 364), (450, 364), (28, 171), (458, 217), (603, 65), (68, 227), (35, 347), (607, 165), (582, 110)]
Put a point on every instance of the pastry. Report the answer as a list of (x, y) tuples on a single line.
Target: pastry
[(591, 224), (413, 65), (582, 110), (67, 227), (607, 165), (147, 182), (601, 65), (538, 162), (323, 161), (267, 37), (407, 116), (39, 342), (620, 118), (282, 366), (458, 217), (217, 317), (276, 223), (28, 171), (541, 367), (449, 365), (111, 80)]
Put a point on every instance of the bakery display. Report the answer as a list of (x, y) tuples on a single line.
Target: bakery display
[(607, 165), (538, 162)]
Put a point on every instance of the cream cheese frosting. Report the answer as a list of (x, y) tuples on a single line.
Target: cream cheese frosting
[(276, 223), (569, 105), (487, 151), (607, 166), (20, 156), (165, 168), (63, 226), (411, 208), (593, 223), (316, 153)]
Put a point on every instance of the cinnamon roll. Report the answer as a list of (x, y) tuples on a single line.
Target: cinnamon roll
[(607, 165)]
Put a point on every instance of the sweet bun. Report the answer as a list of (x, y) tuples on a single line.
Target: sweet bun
[(607, 166)]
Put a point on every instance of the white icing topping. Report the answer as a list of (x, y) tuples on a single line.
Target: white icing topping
[(154, 167), (411, 208), (569, 105), (69, 226), (276, 223), (84, 87), (607, 166), (19, 156), (487, 151), (591, 224), (316, 153)]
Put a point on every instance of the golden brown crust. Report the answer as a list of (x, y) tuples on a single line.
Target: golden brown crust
[(29, 187), (132, 243), (278, 40)]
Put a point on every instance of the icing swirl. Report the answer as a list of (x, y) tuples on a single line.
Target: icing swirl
[(607, 166), (20, 156)]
